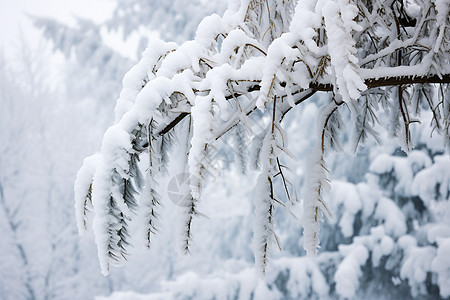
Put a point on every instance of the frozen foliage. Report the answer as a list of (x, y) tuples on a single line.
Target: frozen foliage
[(271, 55), (432, 184), (390, 243)]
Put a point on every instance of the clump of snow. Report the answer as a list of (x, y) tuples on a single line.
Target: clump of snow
[(349, 270), (385, 164), (416, 266), (144, 71), (346, 194), (432, 184), (339, 23), (391, 216), (382, 245), (370, 197)]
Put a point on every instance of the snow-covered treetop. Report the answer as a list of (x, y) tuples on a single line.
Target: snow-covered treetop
[(266, 55)]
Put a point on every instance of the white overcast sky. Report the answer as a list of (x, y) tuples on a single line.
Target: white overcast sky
[(13, 17)]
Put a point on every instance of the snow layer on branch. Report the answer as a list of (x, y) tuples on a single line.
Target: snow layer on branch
[(209, 30), (376, 245), (186, 57), (202, 123), (264, 236), (280, 50), (306, 20), (263, 231), (352, 204), (144, 71), (339, 23), (263, 228), (152, 95), (281, 53)]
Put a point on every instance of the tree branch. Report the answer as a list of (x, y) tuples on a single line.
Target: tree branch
[(390, 81), (317, 87)]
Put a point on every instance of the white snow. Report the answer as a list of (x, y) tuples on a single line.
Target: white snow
[(349, 270), (339, 23)]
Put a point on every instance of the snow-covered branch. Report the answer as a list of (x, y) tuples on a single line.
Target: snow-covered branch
[(360, 52)]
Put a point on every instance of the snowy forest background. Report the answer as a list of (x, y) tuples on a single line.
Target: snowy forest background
[(390, 237)]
